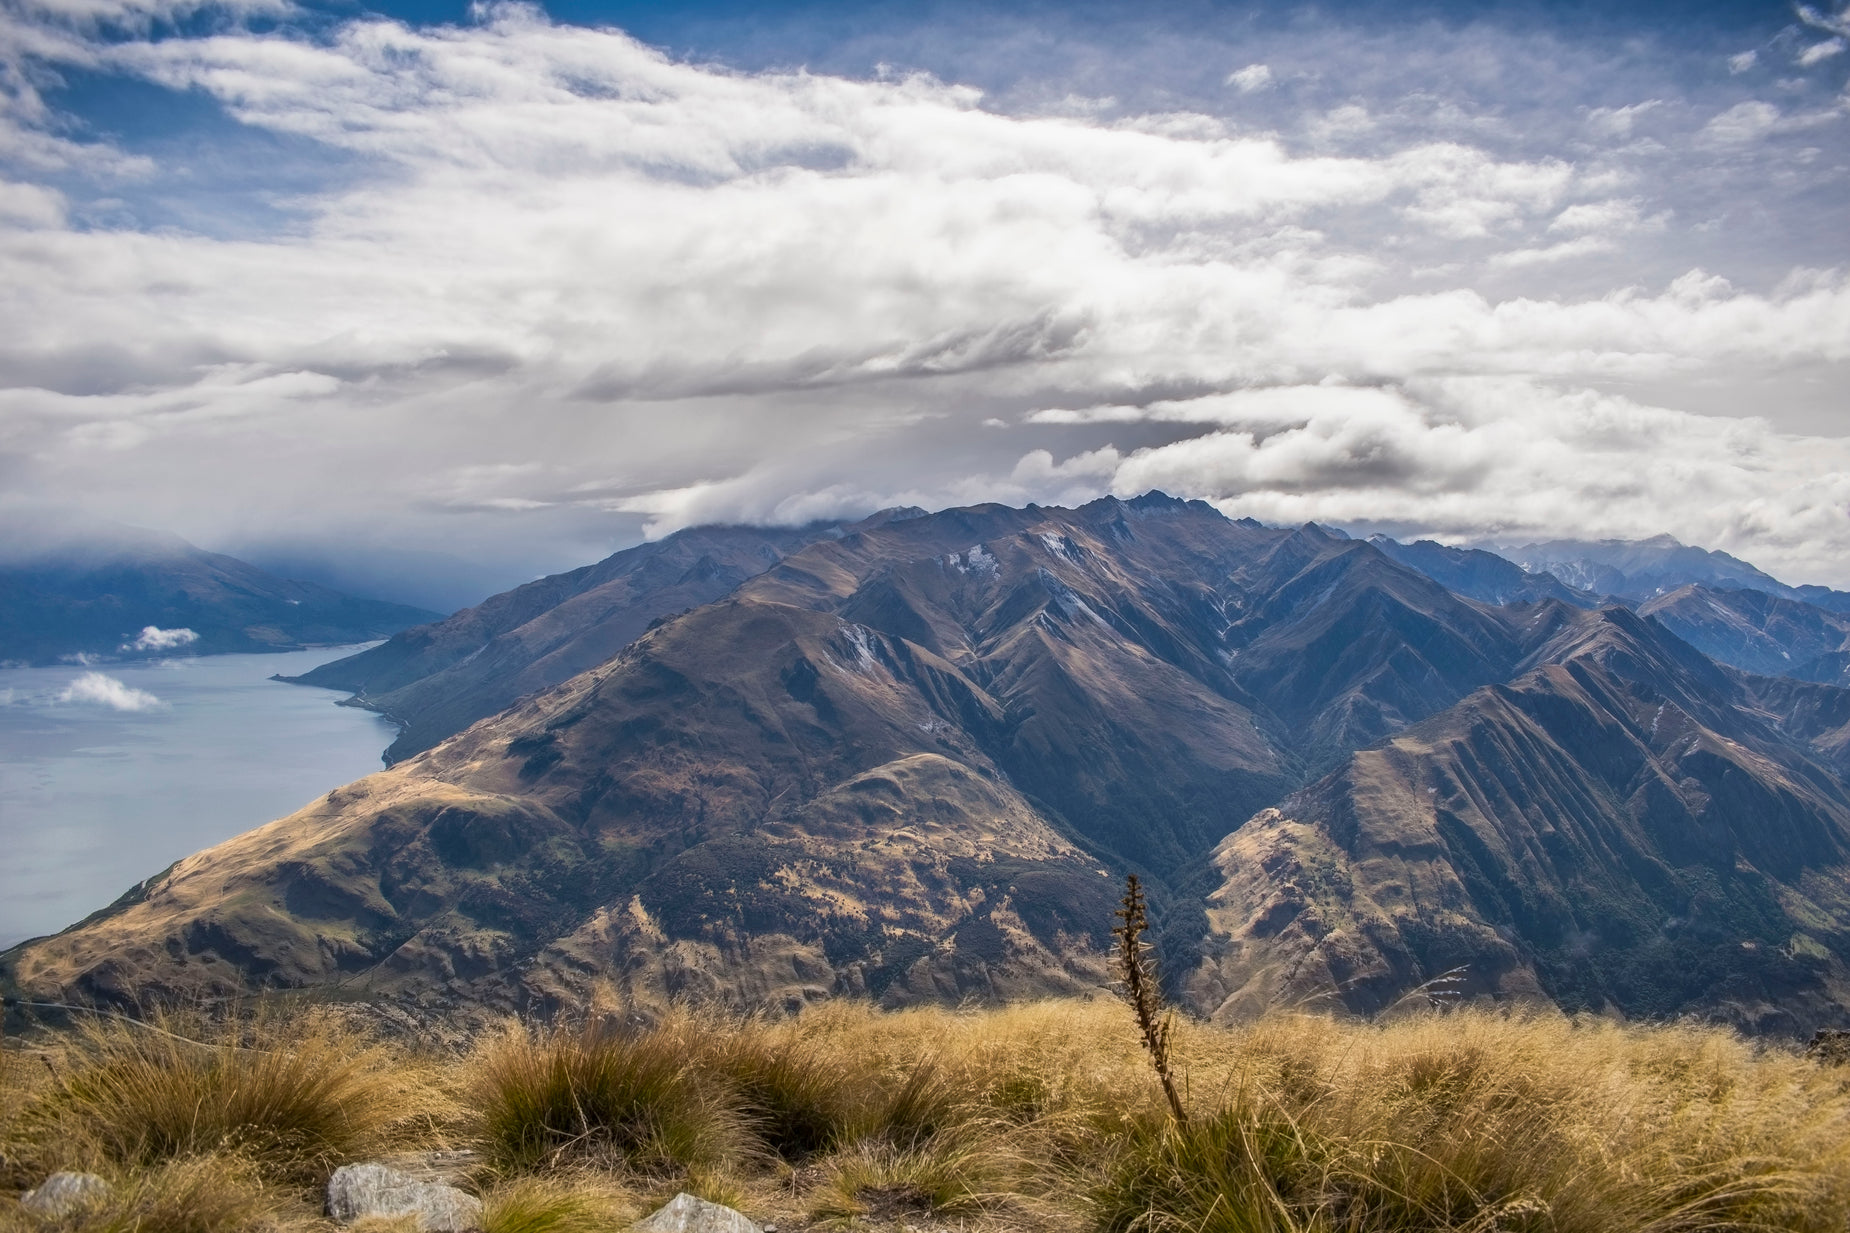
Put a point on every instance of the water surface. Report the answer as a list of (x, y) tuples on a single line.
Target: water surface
[(109, 774)]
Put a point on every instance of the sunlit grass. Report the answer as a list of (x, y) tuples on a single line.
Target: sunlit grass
[(1042, 1116)]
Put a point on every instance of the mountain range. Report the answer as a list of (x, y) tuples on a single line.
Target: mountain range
[(122, 592), (912, 757)]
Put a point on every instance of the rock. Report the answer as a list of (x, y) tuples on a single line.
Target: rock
[(359, 1190), (687, 1214), (63, 1193), (1830, 1046), (441, 1166)]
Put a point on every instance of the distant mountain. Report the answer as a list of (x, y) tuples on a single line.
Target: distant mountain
[(437, 679), (1643, 569), (1482, 575), (121, 592), (1758, 632), (1723, 606), (911, 759)]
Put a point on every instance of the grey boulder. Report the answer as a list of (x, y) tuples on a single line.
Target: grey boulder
[(63, 1193), (360, 1190), (686, 1214)]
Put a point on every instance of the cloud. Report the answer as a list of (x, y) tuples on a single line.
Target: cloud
[(153, 638), (1471, 456), (1818, 53), (1834, 23), (567, 288), (1743, 61), (1252, 77), (1618, 121), (1743, 122), (96, 689)]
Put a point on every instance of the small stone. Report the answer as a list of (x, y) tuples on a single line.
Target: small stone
[(687, 1214), (360, 1190), (63, 1193)]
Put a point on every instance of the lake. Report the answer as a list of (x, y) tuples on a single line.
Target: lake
[(110, 773)]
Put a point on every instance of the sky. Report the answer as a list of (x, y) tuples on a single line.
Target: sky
[(495, 289)]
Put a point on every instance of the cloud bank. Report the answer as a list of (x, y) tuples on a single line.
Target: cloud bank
[(566, 287)]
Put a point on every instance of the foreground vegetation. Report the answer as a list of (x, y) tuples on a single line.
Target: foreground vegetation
[(1044, 1116)]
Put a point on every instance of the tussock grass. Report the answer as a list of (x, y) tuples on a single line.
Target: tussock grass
[(558, 1204), (790, 1094), (293, 1097), (1038, 1116), (548, 1098)]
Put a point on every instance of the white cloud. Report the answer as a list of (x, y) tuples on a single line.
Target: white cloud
[(1612, 214), (1834, 23), (1817, 53), (563, 276), (31, 205), (154, 638), (1744, 122), (1460, 455), (1566, 250), (1618, 121), (96, 689), (1743, 61), (1252, 77)]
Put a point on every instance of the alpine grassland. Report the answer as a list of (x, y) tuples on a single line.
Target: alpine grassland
[(1036, 1116)]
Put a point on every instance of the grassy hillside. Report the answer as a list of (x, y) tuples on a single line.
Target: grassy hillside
[(1037, 1116)]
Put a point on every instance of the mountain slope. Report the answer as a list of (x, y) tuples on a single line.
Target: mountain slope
[(1622, 826), (1758, 632), (95, 596), (437, 679), (912, 758), (995, 708)]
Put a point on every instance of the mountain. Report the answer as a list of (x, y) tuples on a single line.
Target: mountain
[(1643, 569), (912, 758), (1623, 826), (437, 679), (1481, 575), (1737, 615), (97, 593), (1758, 632)]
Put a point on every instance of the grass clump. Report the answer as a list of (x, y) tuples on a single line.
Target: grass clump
[(793, 1099), (556, 1204), (291, 1098), (544, 1099)]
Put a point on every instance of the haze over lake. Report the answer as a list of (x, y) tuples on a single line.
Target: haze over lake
[(108, 774)]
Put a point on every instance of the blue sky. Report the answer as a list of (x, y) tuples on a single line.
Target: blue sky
[(522, 285)]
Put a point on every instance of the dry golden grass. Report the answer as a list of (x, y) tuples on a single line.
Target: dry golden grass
[(294, 1096), (1039, 1116)]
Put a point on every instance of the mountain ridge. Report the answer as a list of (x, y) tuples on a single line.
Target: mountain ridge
[(911, 759)]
